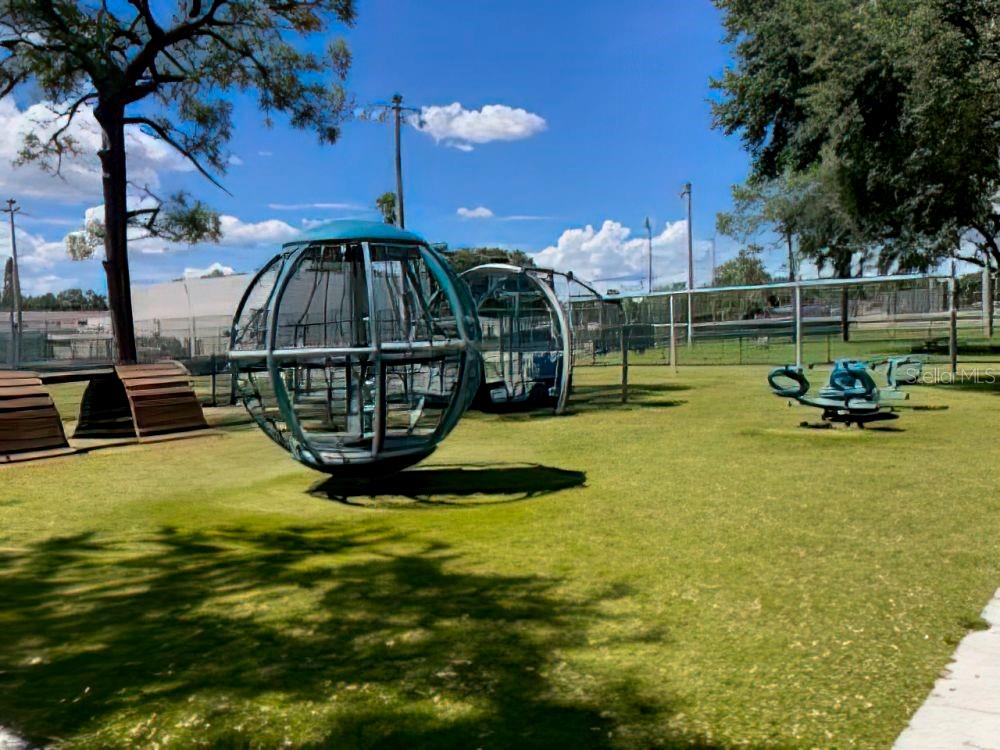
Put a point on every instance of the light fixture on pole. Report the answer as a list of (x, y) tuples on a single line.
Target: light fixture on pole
[(15, 311), (686, 192)]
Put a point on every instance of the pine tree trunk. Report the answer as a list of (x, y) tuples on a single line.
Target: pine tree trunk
[(112, 122)]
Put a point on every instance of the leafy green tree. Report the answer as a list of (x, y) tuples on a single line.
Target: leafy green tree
[(167, 70), (765, 206), (465, 258), (745, 269), (386, 205), (66, 300), (897, 99)]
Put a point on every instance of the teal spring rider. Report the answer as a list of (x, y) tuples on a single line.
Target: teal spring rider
[(851, 395)]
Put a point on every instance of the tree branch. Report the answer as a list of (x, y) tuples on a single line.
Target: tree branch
[(165, 135)]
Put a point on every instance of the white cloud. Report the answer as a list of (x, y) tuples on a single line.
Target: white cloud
[(611, 252), (47, 283), (148, 157), (479, 212), (462, 128), (269, 232), (34, 252), (305, 206), (197, 273), (265, 154), (235, 161)]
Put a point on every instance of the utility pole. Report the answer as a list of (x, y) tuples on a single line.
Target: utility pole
[(649, 234), (690, 282), (15, 313), (397, 111), (395, 106)]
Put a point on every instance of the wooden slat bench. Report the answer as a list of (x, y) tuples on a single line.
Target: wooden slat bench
[(30, 426), (140, 401)]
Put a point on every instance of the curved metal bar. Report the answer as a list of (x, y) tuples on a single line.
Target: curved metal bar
[(469, 362), (567, 342), (298, 442)]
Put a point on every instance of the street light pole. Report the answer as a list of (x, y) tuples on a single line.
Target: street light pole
[(713, 260), (649, 233), (690, 282), (15, 314)]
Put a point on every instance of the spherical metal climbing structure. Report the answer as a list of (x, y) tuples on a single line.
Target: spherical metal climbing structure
[(526, 337), (354, 348)]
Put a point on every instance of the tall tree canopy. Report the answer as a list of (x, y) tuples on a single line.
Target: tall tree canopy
[(744, 269), (897, 100), (136, 63)]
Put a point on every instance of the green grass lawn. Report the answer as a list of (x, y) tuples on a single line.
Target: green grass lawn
[(692, 569)]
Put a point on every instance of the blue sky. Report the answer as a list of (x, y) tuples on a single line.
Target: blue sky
[(595, 115)]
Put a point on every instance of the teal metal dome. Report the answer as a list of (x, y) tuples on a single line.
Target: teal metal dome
[(355, 348)]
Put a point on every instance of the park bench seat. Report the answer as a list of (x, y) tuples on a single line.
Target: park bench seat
[(30, 426), (139, 401)]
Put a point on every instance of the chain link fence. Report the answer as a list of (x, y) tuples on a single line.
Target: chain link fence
[(736, 326), (760, 325)]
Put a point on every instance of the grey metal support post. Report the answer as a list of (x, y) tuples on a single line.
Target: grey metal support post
[(16, 321), (690, 280), (397, 110), (690, 325), (673, 337), (624, 363), (798, 325), (649, 233), (987, 302), (953, 320)]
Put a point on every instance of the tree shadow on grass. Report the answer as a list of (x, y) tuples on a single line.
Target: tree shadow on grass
[(468, 485), (324, 638)]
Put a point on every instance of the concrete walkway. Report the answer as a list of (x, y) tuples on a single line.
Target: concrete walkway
[(963, 710)]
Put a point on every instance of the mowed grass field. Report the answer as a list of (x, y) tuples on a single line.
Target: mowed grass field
[(692, 569)]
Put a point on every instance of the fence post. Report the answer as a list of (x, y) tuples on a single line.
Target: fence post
[(212, 361), (690, 325), (987, 301), (953, 321), (798, 325), (673, 337), (624, 363)]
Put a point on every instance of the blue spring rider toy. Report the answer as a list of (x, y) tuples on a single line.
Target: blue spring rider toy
[(851, 395)]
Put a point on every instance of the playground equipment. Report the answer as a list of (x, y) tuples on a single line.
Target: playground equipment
[(354, 348), (527, 339), (851, 395)]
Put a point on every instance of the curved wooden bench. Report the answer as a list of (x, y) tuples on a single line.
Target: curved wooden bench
[(139, 401), (30, 426)]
